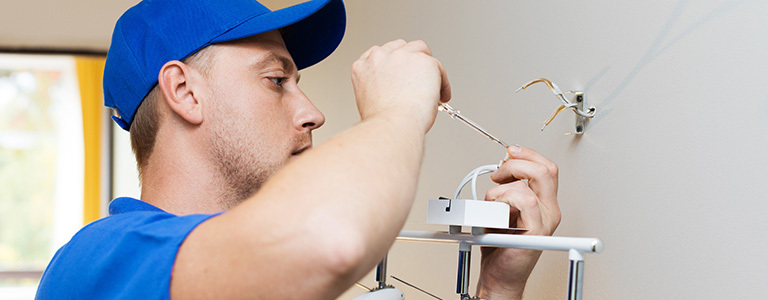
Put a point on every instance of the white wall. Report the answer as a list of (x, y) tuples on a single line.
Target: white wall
[(53, 24), (668, 174)]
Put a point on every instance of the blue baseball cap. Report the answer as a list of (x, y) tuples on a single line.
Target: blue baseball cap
[(158, 31)]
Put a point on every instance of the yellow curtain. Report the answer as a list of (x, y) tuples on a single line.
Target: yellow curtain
[(90, 71)]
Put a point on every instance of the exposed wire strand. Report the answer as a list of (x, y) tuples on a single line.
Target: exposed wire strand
[(559, 94)]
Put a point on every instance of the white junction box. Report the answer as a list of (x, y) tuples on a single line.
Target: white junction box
[(463, 212)]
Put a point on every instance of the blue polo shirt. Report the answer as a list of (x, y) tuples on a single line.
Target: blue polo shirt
[(128, 255)]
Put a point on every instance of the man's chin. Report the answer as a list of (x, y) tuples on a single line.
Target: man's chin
[(300, 152), (295, 156)]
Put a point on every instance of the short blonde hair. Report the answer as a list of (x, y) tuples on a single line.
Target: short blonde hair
[(146, 120)]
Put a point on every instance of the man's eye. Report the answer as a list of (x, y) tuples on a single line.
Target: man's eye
[(278, 80)]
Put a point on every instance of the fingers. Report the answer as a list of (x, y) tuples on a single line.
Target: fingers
[(366, 53), (388, 47), (541, 173), (524, 206), (399, 43), (414, 46), (445, 86), (522, 153), (527, 176), (421, 46), (400, 78), (540, 178)]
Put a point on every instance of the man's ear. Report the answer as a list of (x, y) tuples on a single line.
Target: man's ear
[(174, 81)]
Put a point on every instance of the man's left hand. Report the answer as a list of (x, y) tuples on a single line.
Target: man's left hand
[(528, 183)]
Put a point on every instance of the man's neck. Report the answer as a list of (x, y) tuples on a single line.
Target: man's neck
[(178, 179)]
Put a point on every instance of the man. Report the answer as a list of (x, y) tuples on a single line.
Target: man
[(208, 90)]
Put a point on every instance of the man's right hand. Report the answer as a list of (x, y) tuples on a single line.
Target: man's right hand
[(400, 79)]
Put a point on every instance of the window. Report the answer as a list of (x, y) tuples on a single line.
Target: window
[(42, 166)]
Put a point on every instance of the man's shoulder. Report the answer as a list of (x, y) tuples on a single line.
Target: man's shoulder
[(132, 224), (130, 251), (124, 218)]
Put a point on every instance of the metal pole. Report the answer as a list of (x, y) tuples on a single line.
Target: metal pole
[(381, 273), (462, 280), (576, 278)]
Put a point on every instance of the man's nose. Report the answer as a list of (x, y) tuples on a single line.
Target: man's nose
[(308, 117)]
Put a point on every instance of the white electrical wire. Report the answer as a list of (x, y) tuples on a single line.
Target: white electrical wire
[(472, 177)]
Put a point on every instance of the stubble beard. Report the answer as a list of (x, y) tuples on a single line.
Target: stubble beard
[(241, 173), (243, 169), (242, 163)]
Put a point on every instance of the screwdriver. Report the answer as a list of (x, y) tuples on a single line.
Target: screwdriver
[(455, 114)]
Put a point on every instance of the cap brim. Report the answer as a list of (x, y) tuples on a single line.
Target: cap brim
[(314, 29)]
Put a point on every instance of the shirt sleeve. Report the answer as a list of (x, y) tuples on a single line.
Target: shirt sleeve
[(125, 256)]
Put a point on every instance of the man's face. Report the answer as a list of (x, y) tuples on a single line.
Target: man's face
[(258, 117)]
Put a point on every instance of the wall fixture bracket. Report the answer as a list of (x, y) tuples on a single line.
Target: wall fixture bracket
[(581, 121), (577, 105)]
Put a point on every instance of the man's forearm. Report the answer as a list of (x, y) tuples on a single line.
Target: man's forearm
[(363, 180)]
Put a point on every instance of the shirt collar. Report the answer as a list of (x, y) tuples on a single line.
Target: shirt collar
[(128, 204)]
